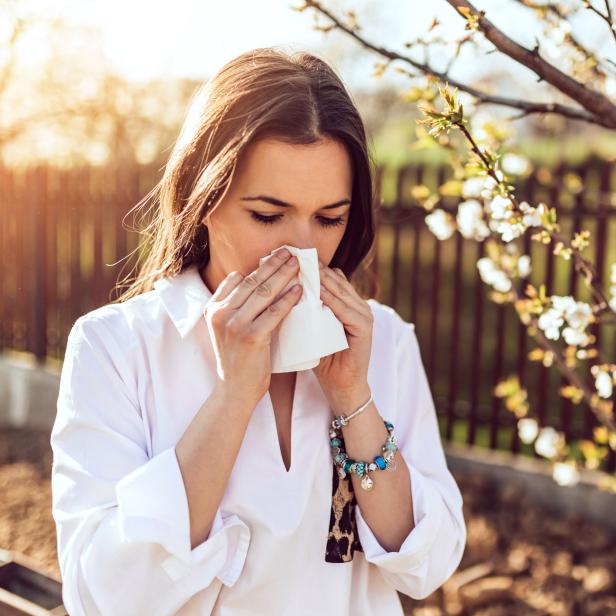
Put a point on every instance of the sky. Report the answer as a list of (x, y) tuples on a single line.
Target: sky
[(194, 38)]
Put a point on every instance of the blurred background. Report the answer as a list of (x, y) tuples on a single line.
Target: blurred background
[(92, 96)]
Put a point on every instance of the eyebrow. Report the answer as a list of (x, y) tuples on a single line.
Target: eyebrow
[(281, 203)]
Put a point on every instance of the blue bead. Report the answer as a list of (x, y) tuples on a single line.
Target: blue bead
[(389, 425), (336, 442), (380, 461)]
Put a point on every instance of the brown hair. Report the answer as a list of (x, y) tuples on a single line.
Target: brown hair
[(262, 93)]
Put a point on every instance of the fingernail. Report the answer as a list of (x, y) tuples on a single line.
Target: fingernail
[(283, 253)]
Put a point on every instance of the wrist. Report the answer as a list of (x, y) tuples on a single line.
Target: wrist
[(345, 402), (233, 398)]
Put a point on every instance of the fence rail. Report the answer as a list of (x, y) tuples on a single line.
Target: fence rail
[(63, 246)]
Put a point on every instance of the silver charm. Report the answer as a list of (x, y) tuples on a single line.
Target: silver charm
[(391, 465), (366, 482)]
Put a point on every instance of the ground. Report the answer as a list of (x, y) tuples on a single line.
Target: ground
[(519, 558)]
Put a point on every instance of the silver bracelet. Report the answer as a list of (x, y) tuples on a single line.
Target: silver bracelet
[(342, 420)]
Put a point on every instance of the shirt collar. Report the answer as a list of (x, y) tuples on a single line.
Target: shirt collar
[(184, 297)]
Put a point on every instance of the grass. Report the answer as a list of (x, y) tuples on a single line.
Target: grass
[(393, 146)]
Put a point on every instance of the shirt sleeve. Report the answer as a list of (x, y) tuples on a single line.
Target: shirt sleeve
[(433, 549), (122, 517)]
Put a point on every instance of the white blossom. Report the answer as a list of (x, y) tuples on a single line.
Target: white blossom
[(510, 232), (439, 222), (547, 442), (515, 164), (562, 303), (603, 384), (612, 300), (470, 222), (531, 216), (578, 315), (528, 429), (472, 187), (500, 207), (575, 337), (501, 211), (524, 266), (490, 184), (550, 322), (565, 474), (507, 230), (492, 275)]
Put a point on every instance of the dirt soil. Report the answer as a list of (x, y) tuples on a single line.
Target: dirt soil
[(519, 558)]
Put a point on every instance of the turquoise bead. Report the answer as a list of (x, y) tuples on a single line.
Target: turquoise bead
[(336, 442), (391, 446), (347, 465)]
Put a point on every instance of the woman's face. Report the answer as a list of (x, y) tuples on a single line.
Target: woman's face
[(280, 194)]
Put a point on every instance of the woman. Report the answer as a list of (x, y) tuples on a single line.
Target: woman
[(187, 478)]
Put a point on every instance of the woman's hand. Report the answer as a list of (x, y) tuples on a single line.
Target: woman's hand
[(241, 317), (343, 376)]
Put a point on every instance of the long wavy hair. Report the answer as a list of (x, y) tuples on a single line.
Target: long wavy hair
[(263, 93)]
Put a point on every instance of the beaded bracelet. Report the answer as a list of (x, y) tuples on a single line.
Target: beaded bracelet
[(361, 467)]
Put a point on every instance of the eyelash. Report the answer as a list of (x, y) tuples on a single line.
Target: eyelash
[(270, 220)]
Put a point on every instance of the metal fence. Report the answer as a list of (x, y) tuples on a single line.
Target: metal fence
[(61, 230)]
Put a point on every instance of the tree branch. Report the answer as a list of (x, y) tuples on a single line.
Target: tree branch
[(483, 97), (607, 18), (610, 20), (594, 102), (559, 14)]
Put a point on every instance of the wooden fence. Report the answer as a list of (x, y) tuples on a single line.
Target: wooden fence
[(62, 230)]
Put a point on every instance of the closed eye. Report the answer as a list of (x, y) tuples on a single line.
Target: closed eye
[(324, 221)]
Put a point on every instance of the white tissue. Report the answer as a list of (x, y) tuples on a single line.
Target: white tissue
[(310, 330)]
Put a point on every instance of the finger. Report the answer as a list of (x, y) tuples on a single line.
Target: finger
[(271, 317), (243, 290), (269, 291), (337, 284), (354, 321), (231, 280), (263, 289), (325, 270)]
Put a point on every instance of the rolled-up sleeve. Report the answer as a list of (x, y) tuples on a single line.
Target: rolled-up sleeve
[(122, 517), (433, 549)]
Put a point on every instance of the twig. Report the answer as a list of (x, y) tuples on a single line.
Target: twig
[(610, 19), (594, 102), (581, 264), (571, 375), (443, 77), (607, 17)]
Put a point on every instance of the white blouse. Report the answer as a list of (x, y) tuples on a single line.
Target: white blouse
[(134, 376)]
